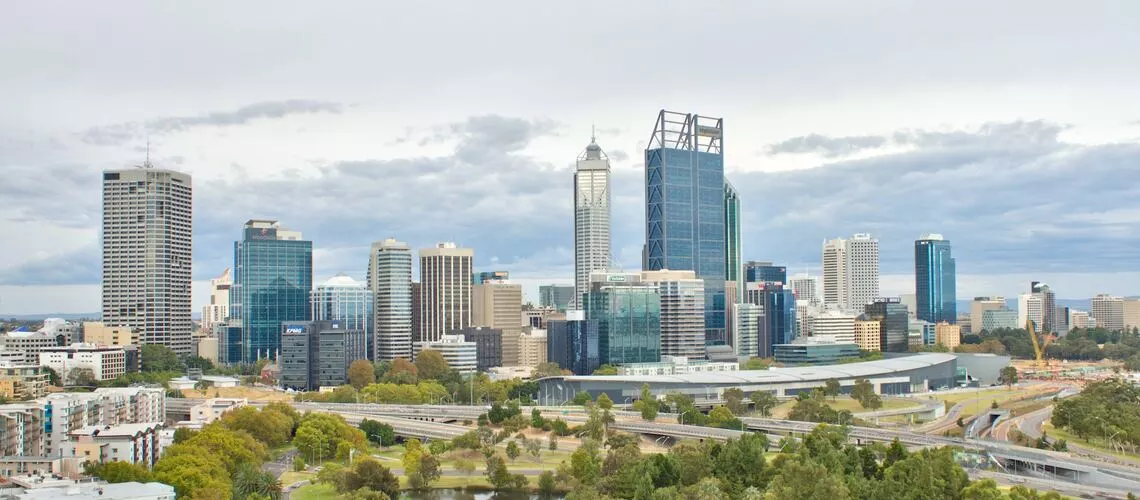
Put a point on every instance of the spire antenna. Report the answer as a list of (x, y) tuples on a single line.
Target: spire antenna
[(593, 136)]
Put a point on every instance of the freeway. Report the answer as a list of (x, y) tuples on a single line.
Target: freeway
[(1066, 488), (932, 406)]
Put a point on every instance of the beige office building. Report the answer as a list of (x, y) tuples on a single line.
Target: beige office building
[(95, 332), (978, 308), (219, 307), (498, 304), (445, 290), (948, 335), (867, 334), (1131, 314), (1108, 311), (532, 347)]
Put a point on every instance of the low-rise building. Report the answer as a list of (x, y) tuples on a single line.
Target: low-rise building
[(23, 382), (187, 383), (834, 326), (96, 491), (532, 347), (131, 443), (814, 351), (210, 410), (95, 332), (867, 333), (676, 365), (460, 354), (207, 347), (21, 433), (29, 344), (948, 335), (488, 345), (105, 362)]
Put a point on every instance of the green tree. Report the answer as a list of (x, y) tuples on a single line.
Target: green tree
[(298, 463), (380, 368), (159, 358), (203, 385), (268, 426), (986, 489), (513, 450), (831, 388), (377, 432), (722, 417), (191, 472), (546, 483), (82, 377), (692, 461), (807, 480), (604, 401), (431, 365), (552, 442), (465, 465), (734, 400), (765, 402), (251, 480), (606, 370), (549, 369), (1008, 376), (200, 363), (755, 364), (585, 465), (646, 404), (401, 371), (361, 373), (368, 473), (118, 472), (53, 377), (536, 419), (581, 398), (862, 390), (182, 434)]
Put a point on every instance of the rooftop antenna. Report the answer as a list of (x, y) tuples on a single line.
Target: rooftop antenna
[(146, 162), (593, 136)]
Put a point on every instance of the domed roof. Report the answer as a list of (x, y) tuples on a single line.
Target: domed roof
[(342, 280)]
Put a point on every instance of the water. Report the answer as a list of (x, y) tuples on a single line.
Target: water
[(458, 494)]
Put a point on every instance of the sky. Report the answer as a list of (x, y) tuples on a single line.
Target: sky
[(1012, 128)]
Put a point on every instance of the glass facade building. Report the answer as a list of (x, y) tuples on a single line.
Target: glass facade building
[(778, 315), (317, 354), (685, 208), (348, 301), (573, 343), (273, 275), (765, 272), (629, 322), (894, 324), (732, 248), (934, 280), (395, 317), (556, 296)]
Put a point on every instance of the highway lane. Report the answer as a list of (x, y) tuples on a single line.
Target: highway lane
[(1063, 487)]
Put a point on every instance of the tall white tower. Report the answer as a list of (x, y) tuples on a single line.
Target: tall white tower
[(390, 280), (835, 287), (862, 270), (445, 290), (591, 216), (146, 254)]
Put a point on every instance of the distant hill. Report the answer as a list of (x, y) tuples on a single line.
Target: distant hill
[(40, 317)]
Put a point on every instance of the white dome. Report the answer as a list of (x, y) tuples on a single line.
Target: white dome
[(342, 280)]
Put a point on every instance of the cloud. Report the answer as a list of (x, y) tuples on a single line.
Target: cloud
[(122, 133), (829, 147), (69, 267), (1018, 134)]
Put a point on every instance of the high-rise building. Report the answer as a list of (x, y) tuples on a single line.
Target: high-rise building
[(489, 276), (1061, 319), (765, 272), (417, 310), (390, 281), (273, 275), (573, 343), (628, 315), (895, 324), (498, 304), (591, 216), (488, 346), (732, 247), (317, 354), (1029, 308), (746, 328), (834, 326), (1108, 311), (805, 314), (979, 306), (947, 334), (557, 296), (993, 319), (684, 207), (806, 288), (935, 280), (835, 285), (1048, 307), (445, 290), (147, 220), (219, 307), (778, 324), (863, 269), (532, 347), (682, 312), (1078, 319), (348, 302), (1131, 313)]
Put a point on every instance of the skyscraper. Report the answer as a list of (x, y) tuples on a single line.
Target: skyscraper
[(732, 248), (349, 303), (934, 280), (273, 275), (682, 312), (1108, 311), (894, 323), (851, 272), (445, 290), (390, 280), (806, 288), (146, 254), (684, 207), (1048, 307), (1030, 308), (219, 307), (765, 272), (556, 296), (497, 304), (591, 216), (629, 318), (778, 316), (486, 276)]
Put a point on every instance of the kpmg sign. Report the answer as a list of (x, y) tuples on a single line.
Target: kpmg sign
[(613, 278), (706, 131), (294, 329)]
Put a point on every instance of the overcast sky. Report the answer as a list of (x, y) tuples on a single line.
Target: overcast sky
[(1012, 127)]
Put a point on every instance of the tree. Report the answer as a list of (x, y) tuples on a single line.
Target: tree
[(722, 417), (831, 388), (536, 419), (734, 400), (368, 473), (82, 377), (646, 404), (764, 402), (552, 442), (581, 398), (513, 450), (606, 369), (431, 365), (159, 358), (872, 402), (269, 426), (118, 472), (755, 364), (53, 377), (199, 363), (401, 371), (1008, 376), (360, 374), (546, 484), (604, 401), (464, 465), (190, 472), (585, 465), (377, 432), (806, 480), (182, 434), (203, 385), (534, 448), (861, 390), (298, 463), (549, 369), (251, 480)]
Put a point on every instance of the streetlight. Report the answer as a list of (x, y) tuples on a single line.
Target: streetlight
[(683, 415)]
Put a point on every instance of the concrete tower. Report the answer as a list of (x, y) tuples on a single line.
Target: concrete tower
[(591, 216)]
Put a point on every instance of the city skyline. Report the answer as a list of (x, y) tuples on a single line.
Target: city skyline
[(820, 144)]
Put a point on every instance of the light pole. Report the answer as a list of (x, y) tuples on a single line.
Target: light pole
[(683, 415)]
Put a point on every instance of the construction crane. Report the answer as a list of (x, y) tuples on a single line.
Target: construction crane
[(1038, 345)]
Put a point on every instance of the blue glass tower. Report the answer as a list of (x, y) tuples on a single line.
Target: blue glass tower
[(273, 274), (685, 207), (629, 322), (934, 280), (778, 320), (765, 272)]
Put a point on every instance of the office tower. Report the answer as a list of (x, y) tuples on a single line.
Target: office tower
[(684, 209), (764, 272), (732, 247), (834, 326), (273, 274), (895, 324), (1108, 311), (1048, 306), (591, 216), (806, 288), (629, 318), (934, 280), (746, 327), (417, 310), (317, 354), (557, 296), (1030, 308), (393, 299), (1131, 314), (1078, 319), (219, 307), (947, 334), (488, 345), (868, 334), (532, 347), (778, 325), (979, 306), (573, 343), (863, 269), (498, 304), (147, 219), (348, 302), (445, 290), (461, 355), (489, 276), (682, 312), (835, 285), (805, 314), (921, 332), (1061, 319), (994, 319)]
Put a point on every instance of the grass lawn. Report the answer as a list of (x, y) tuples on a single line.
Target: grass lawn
[(250, 393), (314, 492), (845, 403), (290, 477), (985, 396), (1071, 438)]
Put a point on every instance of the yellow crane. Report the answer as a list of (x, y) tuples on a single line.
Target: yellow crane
[(1038, 345)]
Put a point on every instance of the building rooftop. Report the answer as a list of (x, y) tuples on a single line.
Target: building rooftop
[(122, 430), (342, 280), (94, 491)]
